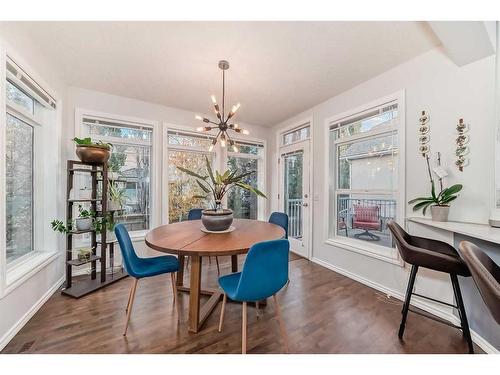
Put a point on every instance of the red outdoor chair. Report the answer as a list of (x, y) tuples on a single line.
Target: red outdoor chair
[(367, 218)]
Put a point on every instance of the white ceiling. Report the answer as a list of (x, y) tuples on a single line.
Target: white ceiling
[(278, 69)]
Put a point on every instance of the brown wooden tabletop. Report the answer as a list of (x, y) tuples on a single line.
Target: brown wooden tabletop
[(187, 239)]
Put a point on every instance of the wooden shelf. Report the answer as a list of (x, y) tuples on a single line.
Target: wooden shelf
[(84, 170), (76, 262), (82, 287), (116, 180), (80, 231), (84, 200)]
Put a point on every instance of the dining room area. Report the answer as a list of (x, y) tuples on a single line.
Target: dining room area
[(249, 191)]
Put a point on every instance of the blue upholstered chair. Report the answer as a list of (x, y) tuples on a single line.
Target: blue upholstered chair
[(281, 219), (139, 268), (195, 214), (264, 273)]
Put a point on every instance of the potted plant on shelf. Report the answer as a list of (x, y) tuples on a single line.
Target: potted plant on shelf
[(92, 152), (86, 220), (115, 163), (117, 198), (216, 185)]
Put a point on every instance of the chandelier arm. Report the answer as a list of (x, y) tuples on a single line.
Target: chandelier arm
[(223, 93)]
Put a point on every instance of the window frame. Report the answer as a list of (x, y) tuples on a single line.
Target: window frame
[(155, 169), (261, 170), (221, 155), (194, 149), (46, 248), (390, 255)]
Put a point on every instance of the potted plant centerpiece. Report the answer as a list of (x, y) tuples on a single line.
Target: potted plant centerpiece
[(92, 152), (216, 185)]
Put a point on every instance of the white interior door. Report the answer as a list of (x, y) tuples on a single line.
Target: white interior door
[(294, 195)]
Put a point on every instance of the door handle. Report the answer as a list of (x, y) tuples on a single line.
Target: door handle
[(305, 204)]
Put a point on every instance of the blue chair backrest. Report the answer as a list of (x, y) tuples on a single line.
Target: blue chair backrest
[(130, 258), (265, 270), (194, 214), (281, 219)]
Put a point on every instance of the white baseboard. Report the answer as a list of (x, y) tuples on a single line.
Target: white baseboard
[(420, 303), (29, 314)]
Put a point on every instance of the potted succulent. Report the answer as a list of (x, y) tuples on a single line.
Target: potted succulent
[(216, 185), (92, 152), (84, 254)]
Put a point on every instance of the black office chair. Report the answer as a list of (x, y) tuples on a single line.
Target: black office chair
[(437, 256)]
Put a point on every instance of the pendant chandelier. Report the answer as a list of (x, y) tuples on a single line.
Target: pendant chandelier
[(222, 123)]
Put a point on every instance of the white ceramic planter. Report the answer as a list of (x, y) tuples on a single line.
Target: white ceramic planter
[(83, 224), (440, 213), (113, 206)]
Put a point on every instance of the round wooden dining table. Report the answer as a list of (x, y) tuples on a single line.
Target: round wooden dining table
[(187, 239)]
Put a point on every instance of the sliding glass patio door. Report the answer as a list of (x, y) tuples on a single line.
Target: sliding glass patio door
[(294, 194)]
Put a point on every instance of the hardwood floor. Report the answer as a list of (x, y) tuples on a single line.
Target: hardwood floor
[(324, 312)]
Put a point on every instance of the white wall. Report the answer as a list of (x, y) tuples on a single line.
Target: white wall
[(19, 305), (447, 92)]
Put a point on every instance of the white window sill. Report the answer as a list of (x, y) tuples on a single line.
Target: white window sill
[(383, 253), (21, 272)]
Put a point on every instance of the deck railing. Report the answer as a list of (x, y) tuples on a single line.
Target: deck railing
[(294, 211)]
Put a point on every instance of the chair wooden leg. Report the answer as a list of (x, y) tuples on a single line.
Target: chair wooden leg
[(131, 304), (463, 316), (257, 309), (128, 302), (218, 268), (406, 306), (244, 330), (224, 299), (280, 322), (176, 300)]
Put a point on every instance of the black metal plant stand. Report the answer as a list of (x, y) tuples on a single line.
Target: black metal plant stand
[(81, 287)]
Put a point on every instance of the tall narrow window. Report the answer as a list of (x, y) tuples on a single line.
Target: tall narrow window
[(19, 188), (245, 205), (364, 159), (29, 109), (186, 150), (131, 160)]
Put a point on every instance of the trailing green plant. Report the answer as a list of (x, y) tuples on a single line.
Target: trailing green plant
[(99, 223), (88, 142), (58, 226), (217, 185)]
